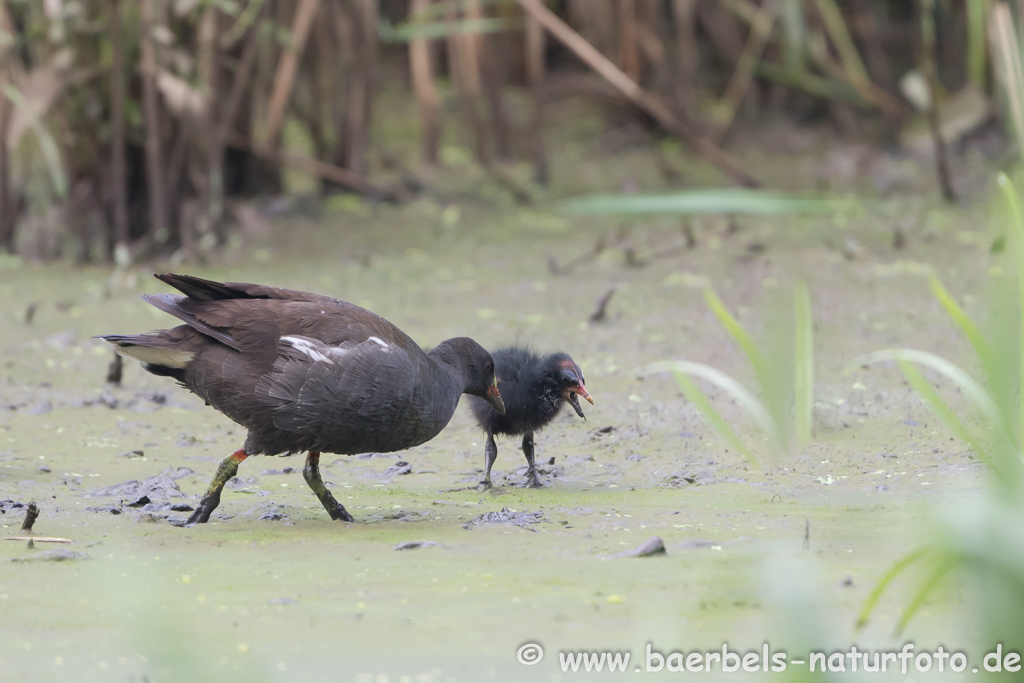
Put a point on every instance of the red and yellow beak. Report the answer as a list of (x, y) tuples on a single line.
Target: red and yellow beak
[(571, 394), (494, 398)]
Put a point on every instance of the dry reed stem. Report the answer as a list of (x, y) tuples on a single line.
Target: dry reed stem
[(421, 71), (118, 174), (287, 66), (155, 180), (636, 94), (760, 29)]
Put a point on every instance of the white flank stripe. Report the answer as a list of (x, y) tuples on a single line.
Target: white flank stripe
[(377, 340), (306, 347)]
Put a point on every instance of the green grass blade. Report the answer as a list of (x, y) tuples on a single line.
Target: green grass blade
[(47, 144), (439, 10), (811, 83), (803, 400), (883, 583), (738, 333), (962, 320), (989, 362), (931, 397), (698, 202), (967, 384), (847, 49), (404, 32), (1015, 232), (914, 606), (737, 391), (699, 399), (977, 16), (794, 24)]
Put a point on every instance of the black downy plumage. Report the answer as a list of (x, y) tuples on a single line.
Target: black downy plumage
[(534, 389)]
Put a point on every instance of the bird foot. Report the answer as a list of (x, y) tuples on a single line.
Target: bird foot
[(336, 510), (485, 485), (341, 514), (534, 483), (202, 513)]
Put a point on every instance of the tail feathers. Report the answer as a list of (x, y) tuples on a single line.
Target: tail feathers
[(171, 303), (158, 354), (202, 290)]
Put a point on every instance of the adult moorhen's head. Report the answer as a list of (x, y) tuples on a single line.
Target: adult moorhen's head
[(562, 375), (477, 368)]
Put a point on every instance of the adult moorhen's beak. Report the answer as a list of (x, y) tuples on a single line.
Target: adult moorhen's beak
[(494, 398), (571, 394)]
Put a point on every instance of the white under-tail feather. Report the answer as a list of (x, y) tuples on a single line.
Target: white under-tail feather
[(168, 358)]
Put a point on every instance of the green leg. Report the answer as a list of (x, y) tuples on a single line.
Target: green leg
[(228, 468), (490, 455), (532, 480), (312, 474)]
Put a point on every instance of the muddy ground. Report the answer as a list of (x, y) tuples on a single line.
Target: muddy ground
[(782, 552)]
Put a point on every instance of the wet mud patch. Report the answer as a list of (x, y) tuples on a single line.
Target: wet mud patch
[(506, 516), (188, 599)]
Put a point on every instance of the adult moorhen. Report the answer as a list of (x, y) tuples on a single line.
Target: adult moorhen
[(305, 372), (534, 388)]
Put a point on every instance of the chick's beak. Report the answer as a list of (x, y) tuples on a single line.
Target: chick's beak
[(494, 398), (571, 395)]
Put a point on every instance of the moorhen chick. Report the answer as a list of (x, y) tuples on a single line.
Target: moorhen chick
[(305, 372), (534, 389)]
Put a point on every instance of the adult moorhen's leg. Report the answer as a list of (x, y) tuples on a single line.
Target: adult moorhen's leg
[(228, 468), (311, 472), (490, 454), (532, 480)]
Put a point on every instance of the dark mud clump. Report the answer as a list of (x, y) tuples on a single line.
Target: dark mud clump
[(649, 548), (163, 485), (506, 516), (56, 555), (416, 545)]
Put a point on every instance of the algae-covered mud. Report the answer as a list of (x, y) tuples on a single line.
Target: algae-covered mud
[(429, 583)]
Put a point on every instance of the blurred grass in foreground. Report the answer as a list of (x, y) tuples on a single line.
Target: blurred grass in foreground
[(735, 201), (783, 368), (983, 538)]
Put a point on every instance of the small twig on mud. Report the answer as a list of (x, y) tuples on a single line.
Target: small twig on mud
[(691, 239), (341, 176), (601, 313), (631, 259), (733, 226), (40, 539), (30, 313), (518, 192), (635, 261), (456, 490), (555, 269), (412, 182), (807, 535), (114, 370), (899, 239)]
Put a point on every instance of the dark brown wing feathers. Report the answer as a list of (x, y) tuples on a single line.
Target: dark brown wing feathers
[(251, 318)]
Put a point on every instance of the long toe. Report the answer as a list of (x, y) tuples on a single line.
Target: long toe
[(339, 513), (200, 516), (534, 483)]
